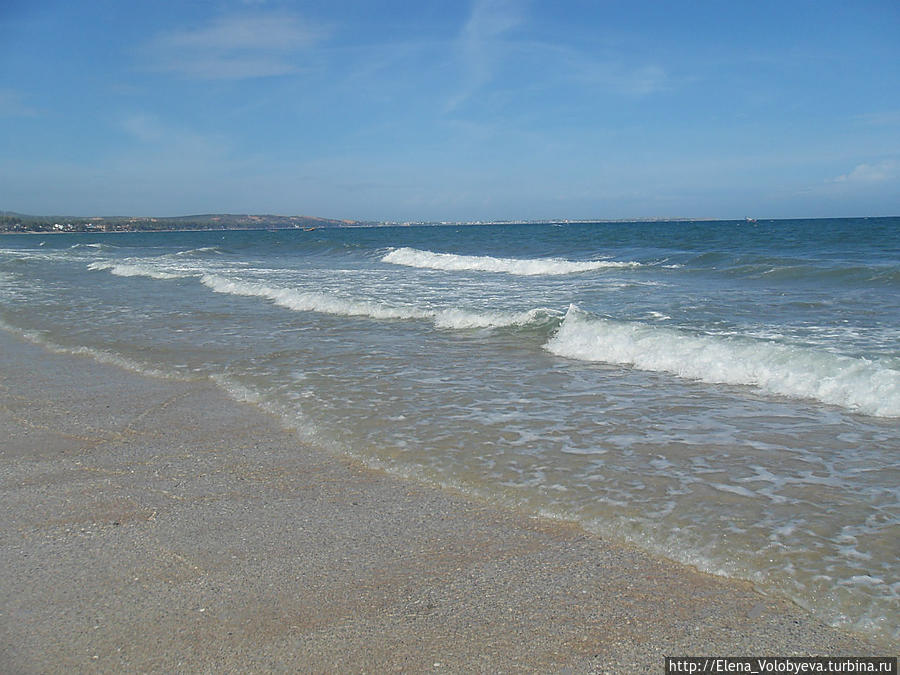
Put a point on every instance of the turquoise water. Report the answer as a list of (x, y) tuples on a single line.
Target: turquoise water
[(726, 394)]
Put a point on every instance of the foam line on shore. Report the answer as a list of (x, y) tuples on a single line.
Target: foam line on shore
[(99, 355)]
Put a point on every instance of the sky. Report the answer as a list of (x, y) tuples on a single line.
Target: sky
[(437, 110)]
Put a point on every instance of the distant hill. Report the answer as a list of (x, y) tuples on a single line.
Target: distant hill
[(18, 222)]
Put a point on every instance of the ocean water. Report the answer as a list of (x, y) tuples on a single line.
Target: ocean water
[(725, 394)]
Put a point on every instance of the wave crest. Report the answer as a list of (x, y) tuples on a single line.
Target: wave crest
[(461, 319), (201, 251), (306, 301)]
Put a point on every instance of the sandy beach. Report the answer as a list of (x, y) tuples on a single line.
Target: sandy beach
[(153, 525)]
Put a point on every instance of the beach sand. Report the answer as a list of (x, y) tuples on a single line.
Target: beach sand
[(156, 525)]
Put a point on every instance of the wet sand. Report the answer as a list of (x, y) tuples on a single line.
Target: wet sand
[(155, 525)]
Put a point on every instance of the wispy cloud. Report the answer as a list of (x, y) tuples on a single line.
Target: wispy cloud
[(13, 104), (163, 140), (495, 42), (480, 45), (234, 47), (608, 74), (879, 172), (490, 19), (145, 128), (880, 119)]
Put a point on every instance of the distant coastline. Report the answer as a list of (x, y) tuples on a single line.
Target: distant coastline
[(18, 223)]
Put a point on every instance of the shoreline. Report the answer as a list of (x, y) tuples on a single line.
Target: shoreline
[(160, 525)]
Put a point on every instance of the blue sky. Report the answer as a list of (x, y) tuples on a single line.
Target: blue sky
[(430, 110)]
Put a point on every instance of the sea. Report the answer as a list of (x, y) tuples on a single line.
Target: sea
[(725, 394)]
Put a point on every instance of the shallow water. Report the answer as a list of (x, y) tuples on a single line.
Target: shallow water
[(725, 394)]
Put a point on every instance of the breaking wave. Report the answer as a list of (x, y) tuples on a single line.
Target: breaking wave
[(411, 257), (858, 384), (325, 303)]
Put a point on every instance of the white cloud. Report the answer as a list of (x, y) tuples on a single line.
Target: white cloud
[(234, 47), (870, 173)]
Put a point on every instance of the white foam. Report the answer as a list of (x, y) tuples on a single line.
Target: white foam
[(134, 270), (858, 384), (201, 250), (26, 254), (527, 267)]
